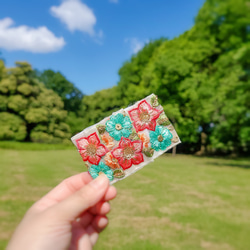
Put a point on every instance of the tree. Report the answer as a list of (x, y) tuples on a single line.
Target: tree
[(131, 72), (202, 78), (101, 104), (70, 95), (28, 110)]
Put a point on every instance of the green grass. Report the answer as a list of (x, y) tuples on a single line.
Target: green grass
[(33, 146), (181, 202)]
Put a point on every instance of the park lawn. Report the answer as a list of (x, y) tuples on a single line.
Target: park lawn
[(181, 202)]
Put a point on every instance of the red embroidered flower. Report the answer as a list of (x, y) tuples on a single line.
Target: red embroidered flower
[(91, 149), (144, 116), (128, 153)]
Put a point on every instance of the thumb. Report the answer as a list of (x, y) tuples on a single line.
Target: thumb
[(82, 200)]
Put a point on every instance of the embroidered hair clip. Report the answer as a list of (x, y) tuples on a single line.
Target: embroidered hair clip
[(125, 142)]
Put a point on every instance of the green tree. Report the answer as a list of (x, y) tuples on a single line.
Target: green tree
[(28, 110), (70, 95), (131, 72), (101, 104), (202, 78)]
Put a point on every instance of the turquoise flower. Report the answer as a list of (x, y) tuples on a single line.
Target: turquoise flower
[(119, 126), (160, 138), (96, 170)]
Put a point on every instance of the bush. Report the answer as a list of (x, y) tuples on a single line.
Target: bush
[(12, 127)]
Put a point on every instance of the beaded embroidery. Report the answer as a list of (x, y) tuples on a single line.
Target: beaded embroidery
[(126, 141)]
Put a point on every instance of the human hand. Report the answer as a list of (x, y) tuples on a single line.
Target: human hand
[(70, 216)]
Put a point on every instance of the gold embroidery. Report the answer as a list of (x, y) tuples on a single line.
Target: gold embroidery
[(91, 149), (128, 153), (160, 138), (144, 116)]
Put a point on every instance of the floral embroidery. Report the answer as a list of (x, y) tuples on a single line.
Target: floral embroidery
[(144, 138), (128, 153), (134, 136), (108, 140), (91, 149), (149, 152), (144, 116), (160, 138), (163, 120), (118, 173), (171, 127), (111, 161), (101, 168), (119, 126), (154, 101), (175, 139), (101, 128), (121, 144)]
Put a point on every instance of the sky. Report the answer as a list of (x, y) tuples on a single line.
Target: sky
[(88, 41)]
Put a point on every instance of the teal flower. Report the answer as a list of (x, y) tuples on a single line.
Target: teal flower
[(96, 170), (160, 139), (119, 126)]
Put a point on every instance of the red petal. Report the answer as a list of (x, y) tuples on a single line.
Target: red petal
[(143, 105), (137, 146), (125, 163), (140, 126), (117, 153), (137, 159), (154, 114), (101, 150), (82, 143), (93, 139), (151, 125), (84, 155), (94, 159), (125, 142), (134, 114)]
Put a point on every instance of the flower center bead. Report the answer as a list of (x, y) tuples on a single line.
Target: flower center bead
[(100, 173), (91, 149), (160, 138), (144, 116), (118, 126), (128, 153)]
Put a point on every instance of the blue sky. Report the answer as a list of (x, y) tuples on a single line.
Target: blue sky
[(88, 41)]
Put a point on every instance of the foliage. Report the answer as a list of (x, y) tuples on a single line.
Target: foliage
[(70, 95), (33, 146), (101, 104), (202, 79), (12, 127), (28, 110)]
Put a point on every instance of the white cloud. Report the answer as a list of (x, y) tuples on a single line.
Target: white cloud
[(76, 15), (135, 44), (37, 40), (113, 1)]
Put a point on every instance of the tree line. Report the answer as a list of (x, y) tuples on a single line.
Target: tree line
[(202, 79)]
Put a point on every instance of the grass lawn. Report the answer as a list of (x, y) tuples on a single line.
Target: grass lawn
[(181, 202)]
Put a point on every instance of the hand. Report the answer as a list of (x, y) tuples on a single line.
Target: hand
[(70, 216)]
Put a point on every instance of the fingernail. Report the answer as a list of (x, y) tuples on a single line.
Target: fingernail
[(99, 182)]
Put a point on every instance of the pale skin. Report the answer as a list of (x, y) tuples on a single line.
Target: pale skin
[(70, 216)]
